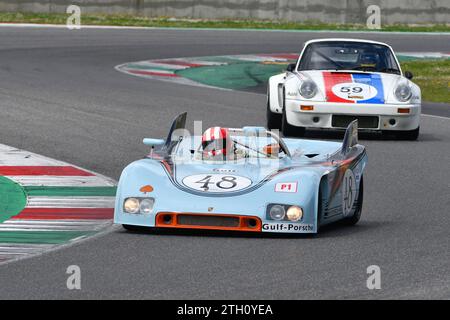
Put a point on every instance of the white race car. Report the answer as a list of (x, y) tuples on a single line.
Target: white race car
[(336, 81)]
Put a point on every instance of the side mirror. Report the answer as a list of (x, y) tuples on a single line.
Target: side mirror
[(153, 142), (291, 67), (408, 75)]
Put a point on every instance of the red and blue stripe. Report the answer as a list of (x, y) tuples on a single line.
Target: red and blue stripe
[(333, 78)]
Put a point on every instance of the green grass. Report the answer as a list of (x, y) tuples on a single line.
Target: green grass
[(433, 77), (128, 20)]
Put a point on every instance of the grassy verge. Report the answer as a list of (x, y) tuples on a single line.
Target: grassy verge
[(433, 77), (127, 20)]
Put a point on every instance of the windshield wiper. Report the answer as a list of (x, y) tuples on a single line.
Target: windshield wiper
[(365, 68), (390, 70)]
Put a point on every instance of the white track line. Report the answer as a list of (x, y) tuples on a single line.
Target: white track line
[(61, 181), (70, 202), (15, 157), (433, 116), (54, 225), (13, 249)]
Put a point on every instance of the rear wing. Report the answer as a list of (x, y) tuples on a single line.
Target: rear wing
[(350, 137)]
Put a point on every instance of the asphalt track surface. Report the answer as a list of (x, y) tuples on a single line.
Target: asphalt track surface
[(61, 97)]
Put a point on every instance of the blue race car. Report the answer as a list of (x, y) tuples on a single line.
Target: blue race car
[(247, 179)]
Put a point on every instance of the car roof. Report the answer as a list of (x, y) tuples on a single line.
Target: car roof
[(346, 40)]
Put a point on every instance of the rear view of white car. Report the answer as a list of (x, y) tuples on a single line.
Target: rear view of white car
[(336, 81)]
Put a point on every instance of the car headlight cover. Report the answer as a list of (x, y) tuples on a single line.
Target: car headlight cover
[(403, 92), (308, 89), (131, 205), (146, 205), (138, 205), (277, 212), (294, 213)]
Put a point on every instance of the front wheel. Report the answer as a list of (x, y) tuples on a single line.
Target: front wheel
[(130, 227), (273, 119), (354, 219), (410, 135)]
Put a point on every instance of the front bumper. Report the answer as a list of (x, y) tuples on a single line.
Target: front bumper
[(208, 221), (375, 117), (224, 222)]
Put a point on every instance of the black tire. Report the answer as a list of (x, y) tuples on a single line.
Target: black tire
[(354, 219), (289, 130), (410, 135), (273, 119), (319, 210), (130, 227)]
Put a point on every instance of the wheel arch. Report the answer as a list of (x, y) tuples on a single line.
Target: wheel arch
[(273, 92)]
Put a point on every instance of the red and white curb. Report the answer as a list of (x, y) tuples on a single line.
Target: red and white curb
[(165, 69), (63, 203), (168, 69)]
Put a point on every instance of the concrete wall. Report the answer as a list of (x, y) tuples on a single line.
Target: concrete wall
[(332, 11)]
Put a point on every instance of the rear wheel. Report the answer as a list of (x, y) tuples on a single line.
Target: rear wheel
[(273, 119), (351, 221), (287, 129)]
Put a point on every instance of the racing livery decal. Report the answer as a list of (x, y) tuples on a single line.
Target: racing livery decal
[(353, 87), (348, 192), (214, 182), (287, 227), (290, 187)]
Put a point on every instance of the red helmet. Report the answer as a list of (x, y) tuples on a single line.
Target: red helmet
[(216, 141)]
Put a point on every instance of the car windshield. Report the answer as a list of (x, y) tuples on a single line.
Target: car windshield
[(341, 55)]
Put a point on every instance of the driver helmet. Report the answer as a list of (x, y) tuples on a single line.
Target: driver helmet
[(368, 58), (216, 141)]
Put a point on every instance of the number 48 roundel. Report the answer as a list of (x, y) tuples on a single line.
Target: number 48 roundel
[(216, 182)]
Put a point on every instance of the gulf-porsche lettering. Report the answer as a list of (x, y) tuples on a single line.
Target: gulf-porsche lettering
[(287, 227), (289, 187)]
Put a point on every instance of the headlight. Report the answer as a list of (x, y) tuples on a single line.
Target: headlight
[(277, 212), (403, 92), (308, 89), (294, 213), (138, 205), (131, 205), (146, 205)]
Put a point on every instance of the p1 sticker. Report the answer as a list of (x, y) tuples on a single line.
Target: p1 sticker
[(290, 187), (348, 192)]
